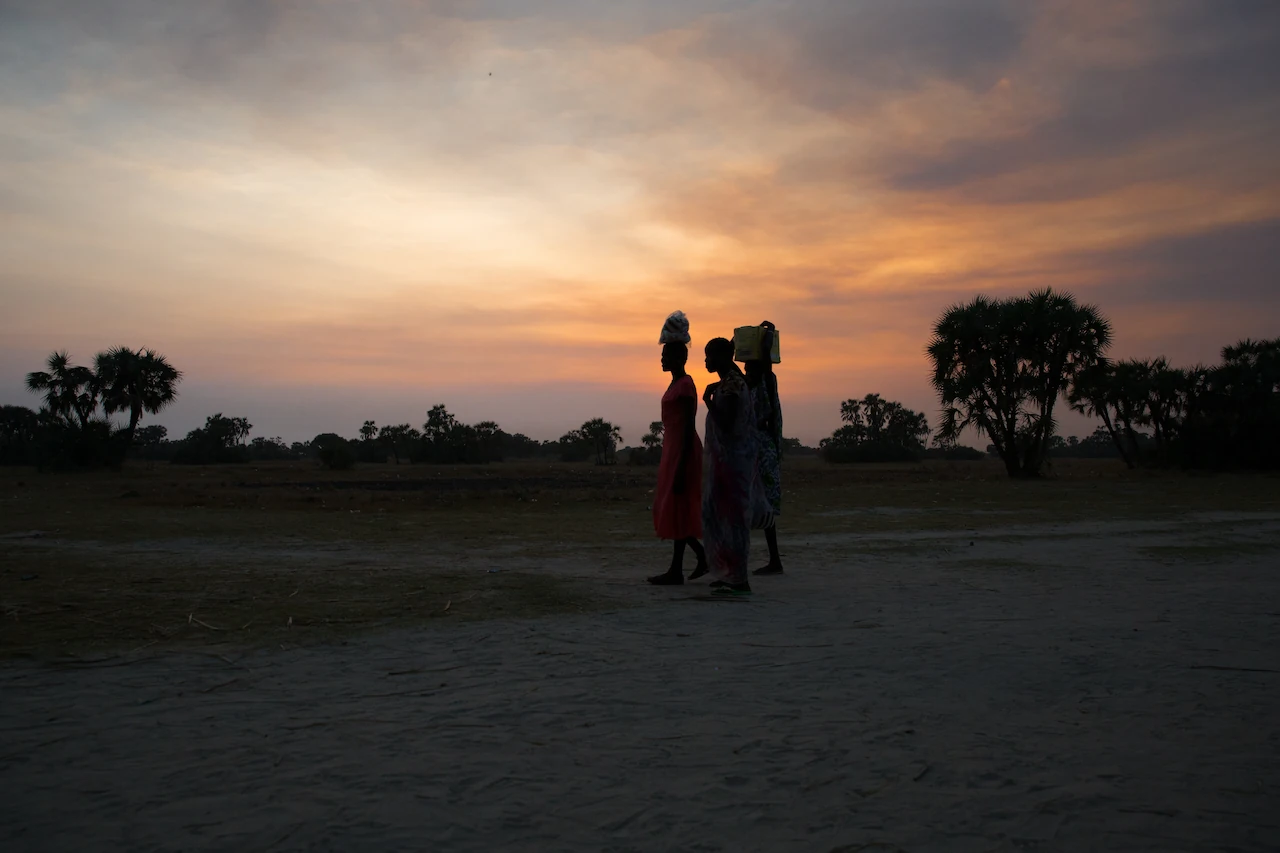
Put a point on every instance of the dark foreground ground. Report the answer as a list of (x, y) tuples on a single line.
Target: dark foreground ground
[(953, 662)]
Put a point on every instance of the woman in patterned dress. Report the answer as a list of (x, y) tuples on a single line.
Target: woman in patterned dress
[(767, 501), (729, 467), (677, 500)]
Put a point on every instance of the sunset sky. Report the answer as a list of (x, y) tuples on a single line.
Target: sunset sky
[(330, 211)]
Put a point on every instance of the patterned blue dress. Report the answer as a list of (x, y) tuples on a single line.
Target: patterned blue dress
[(766, 502), (729, 467)]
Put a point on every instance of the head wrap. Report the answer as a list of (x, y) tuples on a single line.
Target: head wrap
[(675, 330)]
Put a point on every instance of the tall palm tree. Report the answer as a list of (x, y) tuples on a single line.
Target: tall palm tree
[(603, 438), (70, 392), (1000, 365), (1119, 393), (135, 382)]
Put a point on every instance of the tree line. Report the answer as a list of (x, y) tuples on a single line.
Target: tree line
[(999, 366), (74, 427), (1221, 416), (1002, 366)]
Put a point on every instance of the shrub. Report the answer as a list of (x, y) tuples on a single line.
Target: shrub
[(869, 451), (955, 453), (337, 456)]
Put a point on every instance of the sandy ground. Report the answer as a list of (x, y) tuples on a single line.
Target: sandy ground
[(1074, 687)]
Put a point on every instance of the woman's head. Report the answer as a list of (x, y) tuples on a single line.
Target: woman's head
[(719, 353), (674, 356), (753, 369)]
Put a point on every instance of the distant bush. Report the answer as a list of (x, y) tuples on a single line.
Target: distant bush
[(337, 456), (955, 453), (876, 430), (219, 441), (19, 432), (61, 445), (596, 438), (573, 447), (794, 447), (870, 451), (333, 451), (641, 455), (1098, 445), (263, 449)]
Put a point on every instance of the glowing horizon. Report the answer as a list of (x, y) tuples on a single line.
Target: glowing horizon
[(324, 212)]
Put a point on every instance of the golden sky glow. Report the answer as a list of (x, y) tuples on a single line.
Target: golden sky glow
[(327, 211)]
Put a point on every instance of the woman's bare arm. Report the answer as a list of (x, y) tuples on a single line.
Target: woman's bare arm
[(689, 408)]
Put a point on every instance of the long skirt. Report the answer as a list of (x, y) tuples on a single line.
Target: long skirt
[(726, 511)]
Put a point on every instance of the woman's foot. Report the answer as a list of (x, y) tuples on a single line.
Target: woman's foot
[(724, 588), (769, 569), (671, 577), (698, 571)]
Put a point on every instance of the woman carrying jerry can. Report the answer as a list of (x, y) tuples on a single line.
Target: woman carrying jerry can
[(758, 348)]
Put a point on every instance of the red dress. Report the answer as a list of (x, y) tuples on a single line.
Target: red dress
[(678, 516)]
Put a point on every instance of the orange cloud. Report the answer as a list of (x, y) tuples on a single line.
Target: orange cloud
[(304, 195)]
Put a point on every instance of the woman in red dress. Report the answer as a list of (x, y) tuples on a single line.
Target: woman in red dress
[(677, 501)]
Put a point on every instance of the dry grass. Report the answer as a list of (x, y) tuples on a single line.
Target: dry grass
[(93, 603), (288, 553), (1209, 552)]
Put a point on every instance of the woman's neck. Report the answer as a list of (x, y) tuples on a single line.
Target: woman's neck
[(678, 373)]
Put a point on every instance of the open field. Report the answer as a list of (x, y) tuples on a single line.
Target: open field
[(265, 555), (280, 657)]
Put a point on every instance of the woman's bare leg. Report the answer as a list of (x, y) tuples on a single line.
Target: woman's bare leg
[(674, 575), (774, 566), (701, 568)]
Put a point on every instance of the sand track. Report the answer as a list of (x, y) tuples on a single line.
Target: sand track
[(1058, 688)]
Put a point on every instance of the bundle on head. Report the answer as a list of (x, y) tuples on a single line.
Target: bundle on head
[(675, 330)]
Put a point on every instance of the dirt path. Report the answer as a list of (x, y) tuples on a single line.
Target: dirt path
[(1110, 687)]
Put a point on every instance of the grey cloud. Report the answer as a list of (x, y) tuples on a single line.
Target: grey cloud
[(897, 42), (840, 55), (1233, 264), (258, 52), (1202, 69), (1219, 73)]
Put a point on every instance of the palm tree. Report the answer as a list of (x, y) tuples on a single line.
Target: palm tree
[(603, 438), (1166, 405), (875, 419), (1001, 364), (69, 390), (652, 440), (1117, 393), (136, 382)]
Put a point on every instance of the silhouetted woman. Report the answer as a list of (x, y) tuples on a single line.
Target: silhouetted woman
[(767, 502), (729, 469), (677, 500)]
